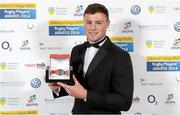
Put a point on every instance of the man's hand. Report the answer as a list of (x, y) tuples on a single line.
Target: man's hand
[(77, 90), (54, 86)]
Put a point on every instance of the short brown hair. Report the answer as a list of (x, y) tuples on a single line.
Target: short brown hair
[(95, 7)]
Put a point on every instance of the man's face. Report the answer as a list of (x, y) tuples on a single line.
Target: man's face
[(95, 26)]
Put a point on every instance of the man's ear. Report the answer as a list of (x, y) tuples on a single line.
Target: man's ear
[(108, 23)]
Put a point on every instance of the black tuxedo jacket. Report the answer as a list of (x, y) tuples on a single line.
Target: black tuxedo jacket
[(109, 80)]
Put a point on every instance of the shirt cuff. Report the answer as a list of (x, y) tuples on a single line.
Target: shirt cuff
[(85, 99), (57, 91)]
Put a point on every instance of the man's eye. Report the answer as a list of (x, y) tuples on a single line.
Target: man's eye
[(88, 22), (98, 22)]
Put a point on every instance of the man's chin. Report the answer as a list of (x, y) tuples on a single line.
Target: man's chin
[(93, 38)]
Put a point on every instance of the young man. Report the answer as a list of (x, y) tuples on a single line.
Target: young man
[(102, 71)]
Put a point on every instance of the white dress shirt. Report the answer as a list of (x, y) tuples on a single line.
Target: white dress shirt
[(89, 55)]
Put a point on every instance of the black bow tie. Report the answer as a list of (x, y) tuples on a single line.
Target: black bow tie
[(96, 45)]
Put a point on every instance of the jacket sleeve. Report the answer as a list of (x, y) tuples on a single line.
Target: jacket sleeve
[(61, 93)]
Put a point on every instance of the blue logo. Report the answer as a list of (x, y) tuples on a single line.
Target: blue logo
[(5, 45), (135, 9), (151, 99), (177, 26), (35, 83)]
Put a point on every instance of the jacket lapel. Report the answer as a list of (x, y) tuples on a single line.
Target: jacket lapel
[(81, 56), (103, 51)]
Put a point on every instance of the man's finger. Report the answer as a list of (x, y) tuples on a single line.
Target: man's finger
[(74, 78), (50, 84), (62, 85)]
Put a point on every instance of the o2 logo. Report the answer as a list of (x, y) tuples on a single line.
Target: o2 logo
[(152, 99), (6, 46)]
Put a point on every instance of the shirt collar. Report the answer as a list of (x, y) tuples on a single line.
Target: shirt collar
[(98, 41)]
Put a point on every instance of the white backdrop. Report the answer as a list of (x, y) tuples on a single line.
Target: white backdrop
[(31, 30)]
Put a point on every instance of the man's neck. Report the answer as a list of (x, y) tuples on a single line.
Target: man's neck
[(93, 42)]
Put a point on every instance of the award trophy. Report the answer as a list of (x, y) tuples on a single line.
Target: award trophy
[(59, 69)]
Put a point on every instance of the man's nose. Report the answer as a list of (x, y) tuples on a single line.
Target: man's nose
[(93, 26)]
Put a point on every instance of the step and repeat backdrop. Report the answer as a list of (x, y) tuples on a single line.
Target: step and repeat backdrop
[(32, 30)]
